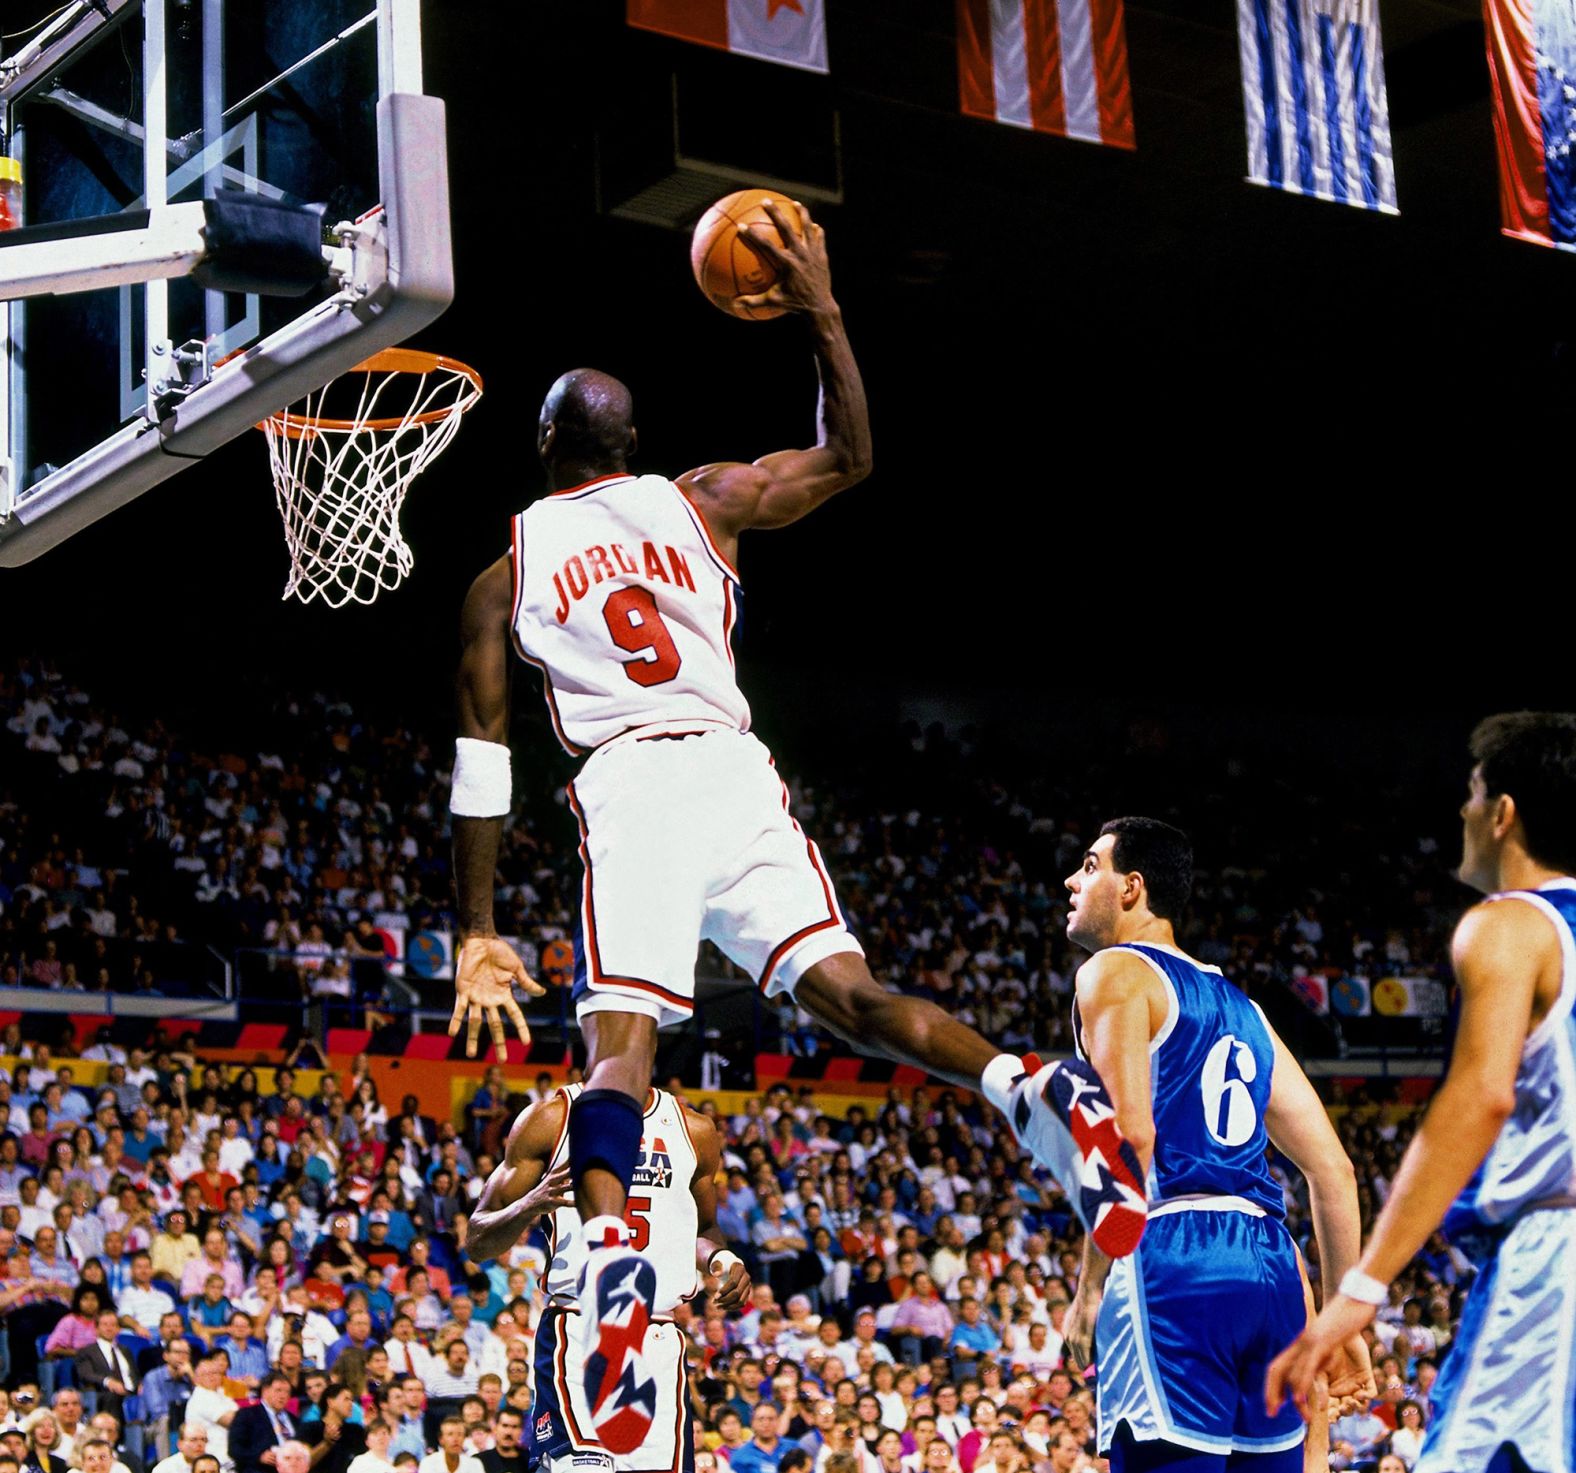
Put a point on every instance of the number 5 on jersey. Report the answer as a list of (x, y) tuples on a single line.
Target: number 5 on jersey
[(637, 1217), (633, 621)]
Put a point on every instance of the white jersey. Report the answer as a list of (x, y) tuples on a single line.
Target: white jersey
[(661, 1214), (624, 603)]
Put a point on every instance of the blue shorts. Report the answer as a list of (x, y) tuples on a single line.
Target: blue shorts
[(1188, 1326)]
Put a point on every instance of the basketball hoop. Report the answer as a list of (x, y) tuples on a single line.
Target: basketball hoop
[(340, 483)]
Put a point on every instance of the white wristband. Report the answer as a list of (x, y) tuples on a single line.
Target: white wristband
[(721, 1261), (1365, 1289), (482, 787)]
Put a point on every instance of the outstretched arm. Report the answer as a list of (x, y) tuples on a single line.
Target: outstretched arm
[(485, 969), (781, 488), (521, 1190), (725, 1276), (1500, 953)]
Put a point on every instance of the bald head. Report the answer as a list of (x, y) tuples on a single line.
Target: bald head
[(586, 427)]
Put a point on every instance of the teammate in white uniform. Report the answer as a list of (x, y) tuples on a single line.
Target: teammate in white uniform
[(671, 1213), (621, 590), (1495, 1157)]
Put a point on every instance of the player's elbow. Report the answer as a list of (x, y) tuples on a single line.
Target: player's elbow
[(1497, 1106), (1140, 1135), (854, 464), (1335, 1176)]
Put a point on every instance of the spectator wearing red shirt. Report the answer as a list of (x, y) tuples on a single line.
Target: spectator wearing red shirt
[(211, 1181)]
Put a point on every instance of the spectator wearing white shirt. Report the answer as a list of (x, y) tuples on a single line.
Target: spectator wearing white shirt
[(450, 1456), (299, 1320), (952, 1421), (104, 1050), (210, 1407), (191, 1447), (1406, 1442), (235, 1151), (141, 1305), (376, 1458), (453, 1377), (407, 1355)]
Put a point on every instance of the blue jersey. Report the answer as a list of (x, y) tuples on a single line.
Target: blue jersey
[(1211, 1066), (1534, 1158), (1176, 1365)]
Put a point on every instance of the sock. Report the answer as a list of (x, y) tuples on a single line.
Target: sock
[(996, 1081), (604, 1133), (607, 1232)]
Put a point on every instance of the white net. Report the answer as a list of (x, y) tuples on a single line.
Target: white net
[(340, 482)]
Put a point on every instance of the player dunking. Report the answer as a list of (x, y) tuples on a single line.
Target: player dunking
[(673, 1213), (1186, 1326), (621, 590), (1495, 1157)]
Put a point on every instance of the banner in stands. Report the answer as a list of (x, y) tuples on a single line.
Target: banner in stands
[(1351, 997), (1410, 997)]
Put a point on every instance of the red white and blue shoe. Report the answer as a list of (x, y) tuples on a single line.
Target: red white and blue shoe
[(1063, 1115), (617, 1290)]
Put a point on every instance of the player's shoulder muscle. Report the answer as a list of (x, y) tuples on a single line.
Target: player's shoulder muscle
[(1499, 939), (1114, 976), (704, 1137), (535, 1132), (726, 492)]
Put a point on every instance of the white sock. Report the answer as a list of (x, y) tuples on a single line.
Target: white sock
[(598, 1229), (998, 1077)]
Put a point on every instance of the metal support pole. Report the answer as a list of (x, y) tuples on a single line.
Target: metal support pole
[(16, 338), (155, 172), (212, 128), (399, 46)]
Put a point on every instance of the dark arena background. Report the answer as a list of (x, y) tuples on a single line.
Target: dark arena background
[(1190, 498)]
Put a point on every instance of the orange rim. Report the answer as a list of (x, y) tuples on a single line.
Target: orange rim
[(390, 360)]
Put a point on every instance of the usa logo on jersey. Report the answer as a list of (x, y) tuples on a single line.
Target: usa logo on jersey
[(654, 1166)]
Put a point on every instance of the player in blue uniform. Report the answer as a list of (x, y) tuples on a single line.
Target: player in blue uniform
[(1184, 1328), (1495, 1157)]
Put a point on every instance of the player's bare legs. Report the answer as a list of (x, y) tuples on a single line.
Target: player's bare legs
[(1060, 1112), (841, 994), (621, 1052)]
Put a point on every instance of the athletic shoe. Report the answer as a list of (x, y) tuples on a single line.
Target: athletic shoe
[(1063, 1115), (617, 1290)]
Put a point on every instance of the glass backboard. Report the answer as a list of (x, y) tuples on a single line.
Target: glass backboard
[(300, 101)]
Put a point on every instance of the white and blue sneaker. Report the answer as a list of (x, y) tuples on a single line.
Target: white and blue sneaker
[(617, 1290), (1064, 1117)]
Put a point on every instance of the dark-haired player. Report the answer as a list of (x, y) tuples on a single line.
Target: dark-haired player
[(1495, 1157), (1186, 1326), (620, 589)]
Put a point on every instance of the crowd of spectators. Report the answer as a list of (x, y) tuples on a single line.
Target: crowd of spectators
[(947, 851), (188, 1243), (306, 1256)]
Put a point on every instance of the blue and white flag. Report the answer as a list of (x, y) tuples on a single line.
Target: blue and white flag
[(1313, 88)]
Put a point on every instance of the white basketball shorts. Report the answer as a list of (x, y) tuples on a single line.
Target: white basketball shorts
[(686, 838)]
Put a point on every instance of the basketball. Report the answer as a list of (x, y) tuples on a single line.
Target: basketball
[(725, 267)]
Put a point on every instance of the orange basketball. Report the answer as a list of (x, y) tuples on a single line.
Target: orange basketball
[(727, 269)]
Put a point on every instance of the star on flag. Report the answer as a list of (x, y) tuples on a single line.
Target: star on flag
[(789, 32)]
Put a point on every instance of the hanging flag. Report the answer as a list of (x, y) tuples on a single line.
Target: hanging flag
[(1313, 87), (1532, 72), (792, 32), (1057, 66)]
